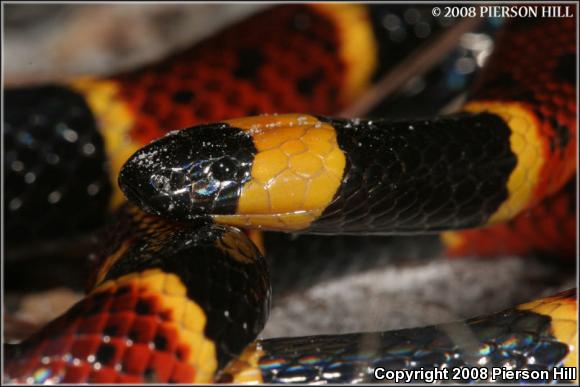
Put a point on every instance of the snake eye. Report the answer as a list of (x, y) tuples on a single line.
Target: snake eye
[(223, 170), (209, 179)]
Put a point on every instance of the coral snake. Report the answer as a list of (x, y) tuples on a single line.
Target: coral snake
[(179, 293)]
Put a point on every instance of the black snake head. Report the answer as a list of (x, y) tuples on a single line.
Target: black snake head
[(190, 173)]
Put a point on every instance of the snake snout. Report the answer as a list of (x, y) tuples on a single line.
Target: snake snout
[(156, 178), (160, 195), (195, 172)]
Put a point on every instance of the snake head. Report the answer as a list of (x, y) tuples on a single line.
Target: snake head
[(189, 173)]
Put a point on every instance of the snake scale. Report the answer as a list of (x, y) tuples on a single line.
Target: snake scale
[(179, 293)]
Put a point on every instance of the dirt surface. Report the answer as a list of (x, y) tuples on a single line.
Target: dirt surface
[(56, 41)]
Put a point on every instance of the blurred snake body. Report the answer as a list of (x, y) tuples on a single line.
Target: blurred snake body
[(180, 294)]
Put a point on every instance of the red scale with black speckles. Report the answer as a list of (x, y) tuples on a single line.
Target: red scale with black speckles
[(110, 337), (548, 89), (242, 71)]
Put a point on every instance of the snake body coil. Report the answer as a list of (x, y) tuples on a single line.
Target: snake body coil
[(180, 293)]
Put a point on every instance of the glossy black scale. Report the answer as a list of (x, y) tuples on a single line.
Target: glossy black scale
[(401, 29), (204, 165), (419, 176), (515, 339), (55, 164), (224, 273), (429, 93)]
